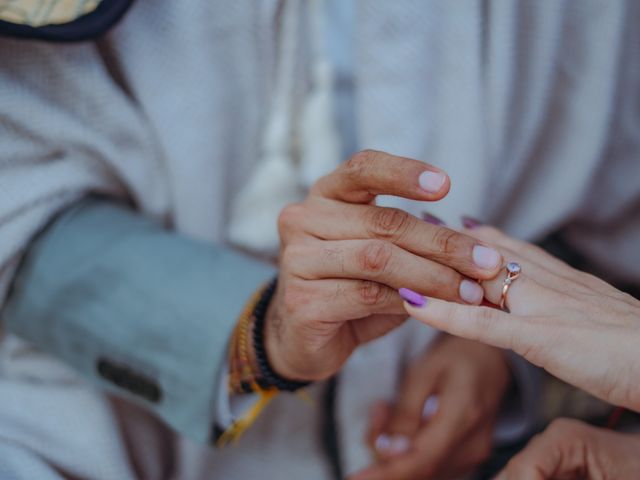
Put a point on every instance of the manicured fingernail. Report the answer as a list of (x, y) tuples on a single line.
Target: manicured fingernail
[(485, 257), (392, 445), (470, 291), (431, 181), (382, 443), (470, 222), (430, 407), (432, 219), (399, 444), (412, 298)]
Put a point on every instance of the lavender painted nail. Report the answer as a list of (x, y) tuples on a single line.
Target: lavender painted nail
[(485, 257), (431, 181), (470, 222), (412, 298), (432, 219)]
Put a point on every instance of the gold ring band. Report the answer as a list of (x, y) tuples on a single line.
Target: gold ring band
[(513, 272)]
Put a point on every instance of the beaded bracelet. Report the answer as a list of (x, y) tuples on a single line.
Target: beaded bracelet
[(247, 375), (268, 378)]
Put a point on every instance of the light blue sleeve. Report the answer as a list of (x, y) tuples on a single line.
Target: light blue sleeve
[(140, 311)]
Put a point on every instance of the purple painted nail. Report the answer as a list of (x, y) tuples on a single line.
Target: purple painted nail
[(432, 219), (470, 222), (412, 298)]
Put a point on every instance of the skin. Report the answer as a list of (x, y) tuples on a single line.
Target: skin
[(343, 258), (574, 325), (569, 449), (458, 437)]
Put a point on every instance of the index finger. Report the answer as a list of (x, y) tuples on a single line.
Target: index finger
[(370, 173), (484, 324)]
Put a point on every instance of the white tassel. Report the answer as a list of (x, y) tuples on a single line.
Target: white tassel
[(320, 142), (278, 180), (274, 182), (255, 211)]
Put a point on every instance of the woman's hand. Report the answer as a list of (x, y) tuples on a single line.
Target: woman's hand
[(574, 325), (569, 449), (469, 381), (342, 259)]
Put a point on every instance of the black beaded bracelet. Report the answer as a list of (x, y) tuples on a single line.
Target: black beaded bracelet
[(268, 377)]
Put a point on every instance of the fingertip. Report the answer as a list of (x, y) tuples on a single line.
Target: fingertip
[(413, 298), (390, 446), (471, 292), (379, 416), (417, 312), (435, 183), (488, 260), (430, 407), (433, 312)]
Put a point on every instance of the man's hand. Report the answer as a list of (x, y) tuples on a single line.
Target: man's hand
[(343, 258), (569, 449), (469, 381)]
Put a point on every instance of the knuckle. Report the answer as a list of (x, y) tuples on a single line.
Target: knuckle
[(486, 318), (294, 299), (374, 257), (289, 217), (371, 293), (404, 423), (564, 426), (474, 414), (289, 256), (516, 467), (360, 162), (447, 241), (389, 222)]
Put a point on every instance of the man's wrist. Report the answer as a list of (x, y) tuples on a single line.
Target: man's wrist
[(251, 368), (276, 349), (269, 377)]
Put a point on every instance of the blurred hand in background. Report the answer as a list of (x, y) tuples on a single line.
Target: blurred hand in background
[(469, 381)]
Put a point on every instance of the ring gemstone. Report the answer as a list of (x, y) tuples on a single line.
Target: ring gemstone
[(513, 267)]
